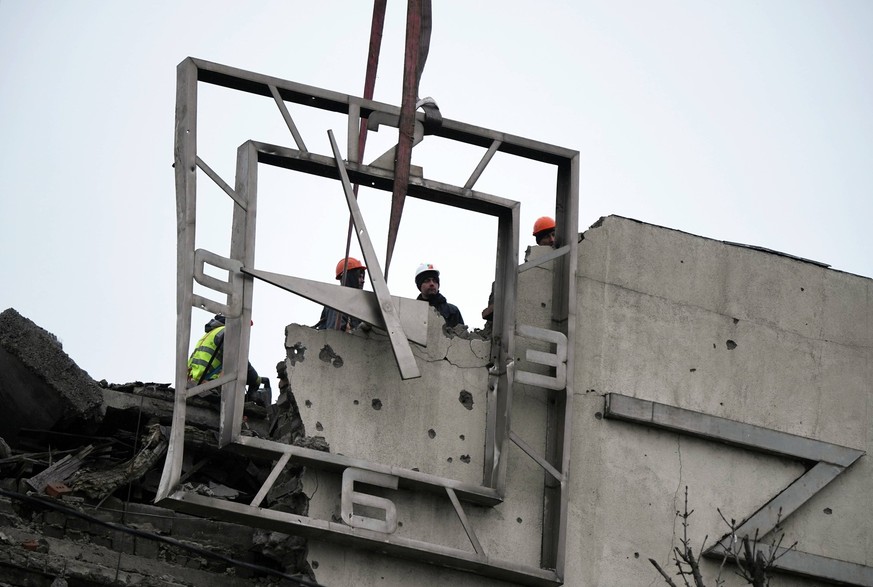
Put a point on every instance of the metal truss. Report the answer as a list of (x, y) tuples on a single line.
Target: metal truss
[(397, 316), (827, 462)]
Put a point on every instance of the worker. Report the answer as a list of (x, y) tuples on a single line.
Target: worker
[(544, 231), (427, 280), (331, 319), (544, 235), (205, 363)]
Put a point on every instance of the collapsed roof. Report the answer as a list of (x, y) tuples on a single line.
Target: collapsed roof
[(80, 462)]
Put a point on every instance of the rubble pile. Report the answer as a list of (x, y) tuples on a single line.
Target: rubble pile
[(80, 464)]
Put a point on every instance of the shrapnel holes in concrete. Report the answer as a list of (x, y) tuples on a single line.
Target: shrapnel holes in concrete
[(466, 398), (328, 355), (295, 353)]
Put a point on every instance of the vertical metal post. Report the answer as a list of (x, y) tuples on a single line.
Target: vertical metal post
[(185, 170), (502, 351), (238, 329), (353, 131), (560, 411)]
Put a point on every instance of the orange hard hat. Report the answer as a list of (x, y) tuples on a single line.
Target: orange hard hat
[(543, 223), (352, 264)]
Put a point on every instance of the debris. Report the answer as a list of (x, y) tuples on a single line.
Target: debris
[(60, 471), (56, 489), (100, 484), (100, 456)]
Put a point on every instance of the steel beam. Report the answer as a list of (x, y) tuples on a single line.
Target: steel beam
[(361, 304), (830, 460)]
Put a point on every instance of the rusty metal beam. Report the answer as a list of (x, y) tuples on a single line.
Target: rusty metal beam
[(406, 130)]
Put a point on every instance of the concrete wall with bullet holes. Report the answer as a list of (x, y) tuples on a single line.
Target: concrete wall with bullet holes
[(733, 331), (349, 390)]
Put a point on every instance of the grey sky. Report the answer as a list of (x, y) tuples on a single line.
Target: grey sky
[(743, 121)]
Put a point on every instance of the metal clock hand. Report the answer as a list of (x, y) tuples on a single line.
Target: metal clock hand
[(399, 344)]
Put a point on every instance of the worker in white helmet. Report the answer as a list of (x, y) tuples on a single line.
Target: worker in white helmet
[(427, 280)]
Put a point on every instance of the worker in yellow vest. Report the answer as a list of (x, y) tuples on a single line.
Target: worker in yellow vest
[(205, 363)]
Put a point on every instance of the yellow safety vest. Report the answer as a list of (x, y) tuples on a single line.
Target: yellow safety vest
[(205, 350)]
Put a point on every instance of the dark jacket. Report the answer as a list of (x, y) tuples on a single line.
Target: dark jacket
[(333, 320), (449, 312)]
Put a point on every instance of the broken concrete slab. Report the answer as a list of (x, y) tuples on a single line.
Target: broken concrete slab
[(90, 556), (157, 400), (59, 394)]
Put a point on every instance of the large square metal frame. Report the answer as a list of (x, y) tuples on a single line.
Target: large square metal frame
[(237, 306)]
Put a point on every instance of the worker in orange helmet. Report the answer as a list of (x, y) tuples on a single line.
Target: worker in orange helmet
[(355, 273), (544, 234), (544, 231)]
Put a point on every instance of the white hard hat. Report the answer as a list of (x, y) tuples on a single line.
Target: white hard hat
[(425, 268)]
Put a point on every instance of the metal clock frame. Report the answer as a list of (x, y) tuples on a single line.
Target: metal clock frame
[(237, 306)]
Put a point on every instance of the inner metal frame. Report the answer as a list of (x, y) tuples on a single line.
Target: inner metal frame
[(237, 306)]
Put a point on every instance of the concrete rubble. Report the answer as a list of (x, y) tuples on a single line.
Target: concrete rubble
[(80, 462)]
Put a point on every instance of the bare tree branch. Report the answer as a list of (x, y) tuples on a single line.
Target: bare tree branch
[(663, 573), (695, 569), (748, 553)]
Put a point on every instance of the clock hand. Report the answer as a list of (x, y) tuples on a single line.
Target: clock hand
[(363, 305), (399, 344)]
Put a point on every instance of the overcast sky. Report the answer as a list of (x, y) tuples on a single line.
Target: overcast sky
[(746, 121)]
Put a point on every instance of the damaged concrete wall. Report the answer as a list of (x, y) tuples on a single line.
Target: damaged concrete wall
[(433, 424), (350, 391), (665, 316), (752, 336)]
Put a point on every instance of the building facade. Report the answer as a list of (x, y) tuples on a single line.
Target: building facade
[(739, 375)]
